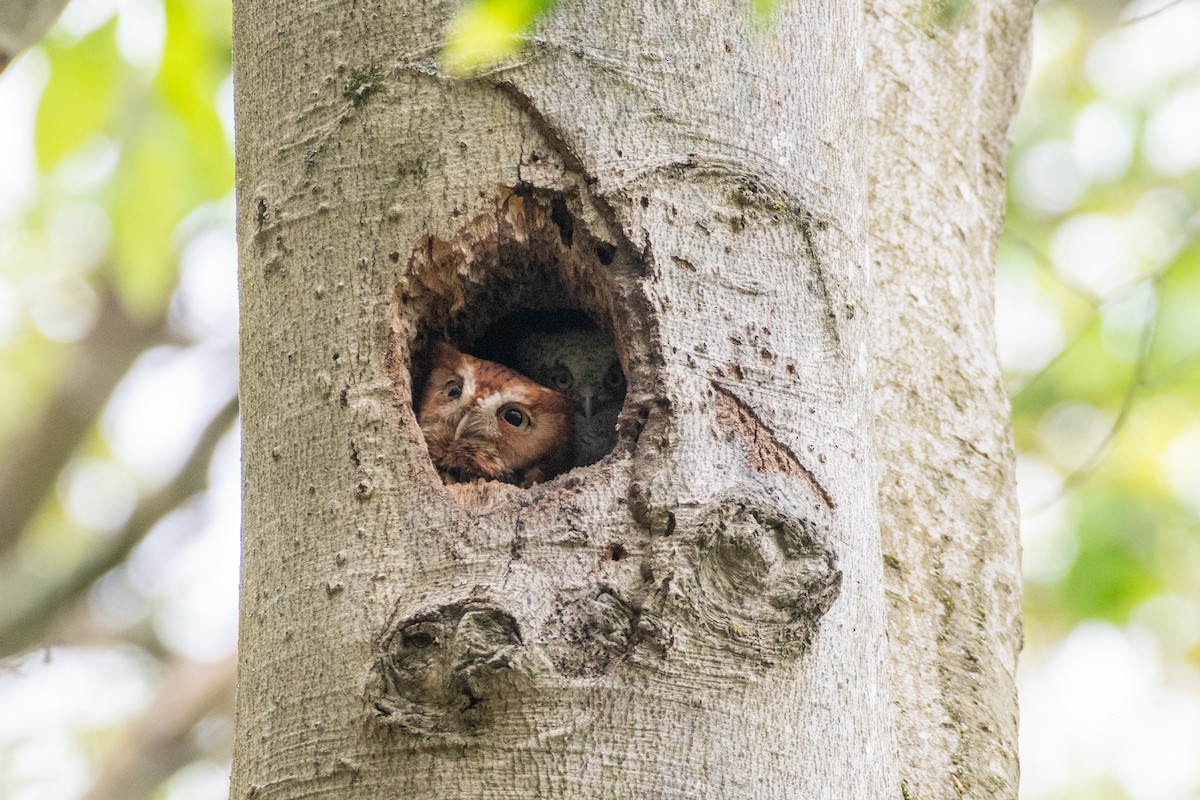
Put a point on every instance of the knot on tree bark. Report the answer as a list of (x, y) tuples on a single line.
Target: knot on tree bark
[(444, 669), (762, 579)]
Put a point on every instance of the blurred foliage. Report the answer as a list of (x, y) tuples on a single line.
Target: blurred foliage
[(1098, 308), (95, 101), (126, 164), (487, 32), (1098, 300), (1098, 316), (82, 97)]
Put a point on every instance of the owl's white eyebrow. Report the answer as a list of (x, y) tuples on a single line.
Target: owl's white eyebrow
[(491, 403), (468, 379)]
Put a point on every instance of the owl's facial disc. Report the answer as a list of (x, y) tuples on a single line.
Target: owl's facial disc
[(481, 418), (614, 379), (477, 422)]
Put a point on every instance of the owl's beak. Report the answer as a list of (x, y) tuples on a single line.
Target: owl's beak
[(462, 426), (587, 405)]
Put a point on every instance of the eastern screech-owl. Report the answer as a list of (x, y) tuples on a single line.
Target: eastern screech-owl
[(483, 420), (581, 362)]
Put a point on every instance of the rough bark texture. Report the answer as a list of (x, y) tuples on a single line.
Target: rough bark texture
[(701, 613), (943, 91)]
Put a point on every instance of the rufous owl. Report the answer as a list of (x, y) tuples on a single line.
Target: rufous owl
[(484, 420), (579, 361)]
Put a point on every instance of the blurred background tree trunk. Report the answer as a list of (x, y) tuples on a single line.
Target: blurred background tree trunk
[(789, 234)]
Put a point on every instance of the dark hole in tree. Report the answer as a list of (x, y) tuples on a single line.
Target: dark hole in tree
[(562, 218), (527, 286)]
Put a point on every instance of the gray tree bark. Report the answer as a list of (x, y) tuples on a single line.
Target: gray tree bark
[(789, 235), (944, 87), (24, 22)]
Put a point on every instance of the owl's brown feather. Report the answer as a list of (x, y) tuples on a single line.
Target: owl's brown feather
[(483, 420)]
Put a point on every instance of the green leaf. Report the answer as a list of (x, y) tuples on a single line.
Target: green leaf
[(192, 69), (487, 32), (763, 11), (81, 96), (175, 157)]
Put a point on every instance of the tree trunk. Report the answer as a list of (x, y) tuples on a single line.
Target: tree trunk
[(702, 613), (943, 93)]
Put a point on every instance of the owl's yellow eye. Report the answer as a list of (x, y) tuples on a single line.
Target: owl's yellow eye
[(515, 417), (453, 389), (562, 379)]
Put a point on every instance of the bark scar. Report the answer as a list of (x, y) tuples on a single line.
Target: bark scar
[(547, 128), (766, 452), (556, 138)]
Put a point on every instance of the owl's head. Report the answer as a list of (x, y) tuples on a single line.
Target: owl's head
[(483, 420), (580, 362)]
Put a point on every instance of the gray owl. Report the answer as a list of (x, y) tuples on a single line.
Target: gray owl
[(580, 362)]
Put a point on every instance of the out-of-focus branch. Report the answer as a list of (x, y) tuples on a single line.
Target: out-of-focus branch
[(24, 623), (1173, 371), (24, 22), (1136, 383), (1187, 237), (160, 743), (83, 627), (32, 461), (1149, 14)]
